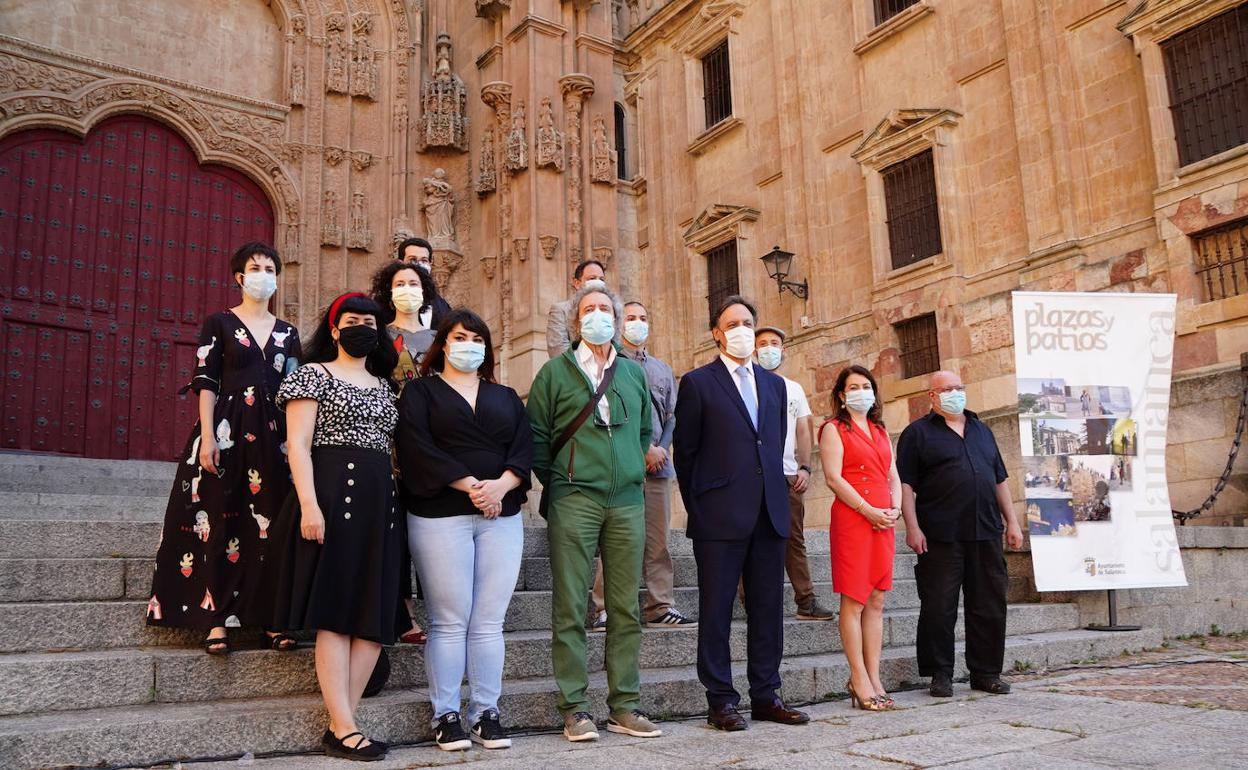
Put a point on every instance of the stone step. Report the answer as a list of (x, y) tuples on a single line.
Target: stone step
[(41, 539), (52, 626), (77, 579), (33, 537), (61, 506), (159, 732), (69, 467), (18, 479), (33, 682)]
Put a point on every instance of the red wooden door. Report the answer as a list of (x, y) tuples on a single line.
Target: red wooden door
[(113, 248)]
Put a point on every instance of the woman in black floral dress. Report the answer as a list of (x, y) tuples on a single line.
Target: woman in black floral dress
[(232, 476), (336, 540)]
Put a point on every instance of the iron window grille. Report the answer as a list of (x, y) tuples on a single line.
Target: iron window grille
[(721, 275), (1222, 260), (887, 9), (913, 215), (717, 85), (1207, 77), (917, 344)]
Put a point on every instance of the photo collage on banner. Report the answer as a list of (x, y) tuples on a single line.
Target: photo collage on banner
[(1093, 379), (1081, 440)]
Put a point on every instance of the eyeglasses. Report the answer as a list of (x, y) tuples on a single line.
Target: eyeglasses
[(950, 389)]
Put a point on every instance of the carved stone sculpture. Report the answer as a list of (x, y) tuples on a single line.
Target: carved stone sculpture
[(604, 158), (444, 103), (336, 53), (489, 264), (520, 249), (358, 234), (548, 243), (488, 9), (439, 206), (518, 139), (298, 84), (363, 59), (331, 231), (487, 178), (549, 138)]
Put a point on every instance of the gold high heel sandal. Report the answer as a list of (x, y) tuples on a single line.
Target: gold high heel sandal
[(871, 704)]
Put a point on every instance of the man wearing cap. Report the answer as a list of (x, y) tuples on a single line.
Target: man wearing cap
[(769, 348)]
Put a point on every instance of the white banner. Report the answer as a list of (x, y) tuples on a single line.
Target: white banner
[(1093, 397)]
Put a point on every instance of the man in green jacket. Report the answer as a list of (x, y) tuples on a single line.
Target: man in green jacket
[(595, 486)]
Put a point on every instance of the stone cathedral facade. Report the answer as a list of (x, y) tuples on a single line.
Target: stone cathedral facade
[(919, 158)]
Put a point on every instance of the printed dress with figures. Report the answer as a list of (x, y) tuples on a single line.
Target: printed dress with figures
[(210, 564)]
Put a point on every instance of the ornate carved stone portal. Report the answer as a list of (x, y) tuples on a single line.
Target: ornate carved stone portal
[(444, 103)]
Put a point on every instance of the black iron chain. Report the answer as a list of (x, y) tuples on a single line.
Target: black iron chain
[(1183, 516)]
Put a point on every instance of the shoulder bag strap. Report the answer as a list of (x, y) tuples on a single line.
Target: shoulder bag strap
[(585, 412)]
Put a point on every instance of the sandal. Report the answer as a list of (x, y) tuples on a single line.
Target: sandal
[(415, 636), (216, 645), (282, 642), (337, 747)]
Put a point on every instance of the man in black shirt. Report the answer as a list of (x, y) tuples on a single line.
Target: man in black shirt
[(956, 503)]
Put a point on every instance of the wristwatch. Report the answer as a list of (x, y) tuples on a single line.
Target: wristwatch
[(804, 468)]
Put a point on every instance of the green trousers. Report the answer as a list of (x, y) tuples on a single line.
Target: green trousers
[(577, 527)]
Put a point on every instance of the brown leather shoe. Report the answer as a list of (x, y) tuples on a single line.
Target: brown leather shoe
[(726, 718), (776, 711)]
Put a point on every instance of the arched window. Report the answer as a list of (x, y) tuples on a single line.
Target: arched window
[(621, 146)]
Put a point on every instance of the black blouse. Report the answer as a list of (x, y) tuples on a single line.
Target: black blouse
[(441, 440)]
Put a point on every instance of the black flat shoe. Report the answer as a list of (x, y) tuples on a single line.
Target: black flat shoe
[(941, 686), (993, 685), (337, 747)]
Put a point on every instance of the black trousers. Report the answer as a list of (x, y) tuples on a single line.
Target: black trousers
[(976, 569), (758, 563)]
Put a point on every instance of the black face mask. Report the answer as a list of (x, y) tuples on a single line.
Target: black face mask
[(358, 341)]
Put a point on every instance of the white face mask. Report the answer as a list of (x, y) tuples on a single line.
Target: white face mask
[(594, 283), (636, 332), (260, 286), (407, 299), (739, 342)]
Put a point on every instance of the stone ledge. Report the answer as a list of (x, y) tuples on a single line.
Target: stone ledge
[(893, 26)]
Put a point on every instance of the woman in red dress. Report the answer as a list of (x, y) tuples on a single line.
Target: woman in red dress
[(859, 468)]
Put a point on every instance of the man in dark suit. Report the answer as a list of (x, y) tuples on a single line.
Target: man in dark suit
[(729, 446)]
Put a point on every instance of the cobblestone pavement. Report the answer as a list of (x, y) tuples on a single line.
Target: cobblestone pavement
[(1182, 706)]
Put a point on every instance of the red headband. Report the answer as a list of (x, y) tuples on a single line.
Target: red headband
[(333, 309)]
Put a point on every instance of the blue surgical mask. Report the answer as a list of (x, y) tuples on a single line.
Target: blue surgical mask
[(860, 401), (466, 357), (636, 332), (597, 327), (770, 357), (953, 402)]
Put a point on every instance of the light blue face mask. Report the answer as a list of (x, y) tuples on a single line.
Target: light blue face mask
[(770, 357), (466, 357), (636, 332), (860, 401), (597, 327), (953, 402)]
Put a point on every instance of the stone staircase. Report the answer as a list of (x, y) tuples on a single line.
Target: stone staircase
[(84, 682)]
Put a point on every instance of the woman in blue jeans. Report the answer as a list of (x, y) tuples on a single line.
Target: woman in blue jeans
[(465, 453)]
